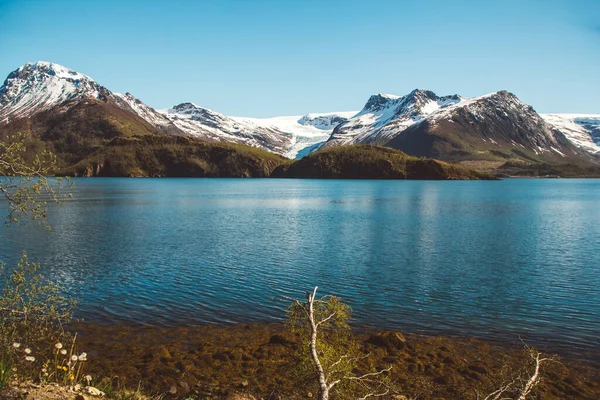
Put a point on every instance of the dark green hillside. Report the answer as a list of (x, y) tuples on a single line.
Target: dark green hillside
[(176, 156), (73, 132), (542, 170), (372, 162)]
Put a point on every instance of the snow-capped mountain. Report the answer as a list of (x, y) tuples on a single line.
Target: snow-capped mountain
[(55, 101), (128, 102), (386, 115), (290, 136), (581, 129), (497, 126), (40, 86), (206, 124)]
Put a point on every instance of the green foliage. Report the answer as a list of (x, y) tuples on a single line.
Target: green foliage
[(563, 170), (5, 373), (116, 390), (24, 180), (33, 313), (175, 156), (338, 349), (372, 162)]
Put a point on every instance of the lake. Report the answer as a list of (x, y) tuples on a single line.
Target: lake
[(492, 259)]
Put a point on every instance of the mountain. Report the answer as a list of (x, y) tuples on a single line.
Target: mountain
[(38, 92), (385, 115), (72, 115), (484, 132), (69, 112), (494, 128), (206, 124), (288, 136), (41, 86)]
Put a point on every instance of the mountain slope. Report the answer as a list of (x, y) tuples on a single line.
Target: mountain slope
[(68, 112), (72, 131), (128, 102), (175, 156), (497, 127), (384, 116), (206, 124), (39, 91)]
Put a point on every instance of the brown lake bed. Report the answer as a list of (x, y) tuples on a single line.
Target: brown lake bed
[(215, 361)]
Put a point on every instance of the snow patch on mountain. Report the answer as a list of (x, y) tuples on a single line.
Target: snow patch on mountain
[(372, 123), (149, 114), (307, 132), (203, 123), (583, 130)]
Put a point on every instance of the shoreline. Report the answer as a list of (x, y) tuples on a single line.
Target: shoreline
[(258, 359)]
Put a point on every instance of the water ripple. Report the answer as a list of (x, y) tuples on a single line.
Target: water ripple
[(488, 259)]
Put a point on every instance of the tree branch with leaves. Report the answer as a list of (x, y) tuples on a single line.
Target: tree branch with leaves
[(26, 182), (323, 326)]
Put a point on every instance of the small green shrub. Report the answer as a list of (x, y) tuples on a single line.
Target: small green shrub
[(5, 373), (33, 312)]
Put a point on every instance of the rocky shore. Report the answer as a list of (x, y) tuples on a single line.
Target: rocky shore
[(258, 361)]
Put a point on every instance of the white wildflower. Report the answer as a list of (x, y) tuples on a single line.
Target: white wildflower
[(73, 357), (63, 352), (16, 345), (58, 345), (88, 378), (30, 358), (27, 351), (83, 357)]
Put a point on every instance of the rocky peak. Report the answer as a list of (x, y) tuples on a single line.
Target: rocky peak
[(39, 86), (378, 102)]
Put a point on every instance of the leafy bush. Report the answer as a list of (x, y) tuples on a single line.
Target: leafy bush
[(24, 180), (33, 313)]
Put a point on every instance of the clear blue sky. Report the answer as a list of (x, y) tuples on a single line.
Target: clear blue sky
[(286, 57)]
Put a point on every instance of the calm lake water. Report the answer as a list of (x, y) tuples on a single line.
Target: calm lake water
[(487, 259)]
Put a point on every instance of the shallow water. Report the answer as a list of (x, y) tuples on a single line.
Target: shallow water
[(493, 259)]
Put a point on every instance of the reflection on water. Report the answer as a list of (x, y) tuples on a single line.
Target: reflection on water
[(499, 259)]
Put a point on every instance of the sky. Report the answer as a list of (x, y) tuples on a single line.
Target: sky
[(262, 58)]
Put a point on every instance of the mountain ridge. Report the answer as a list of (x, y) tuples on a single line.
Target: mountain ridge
[(491, 128)]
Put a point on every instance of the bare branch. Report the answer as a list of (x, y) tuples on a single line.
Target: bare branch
[(535, 377), (325, 319), (357, 378), (374, 395)]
